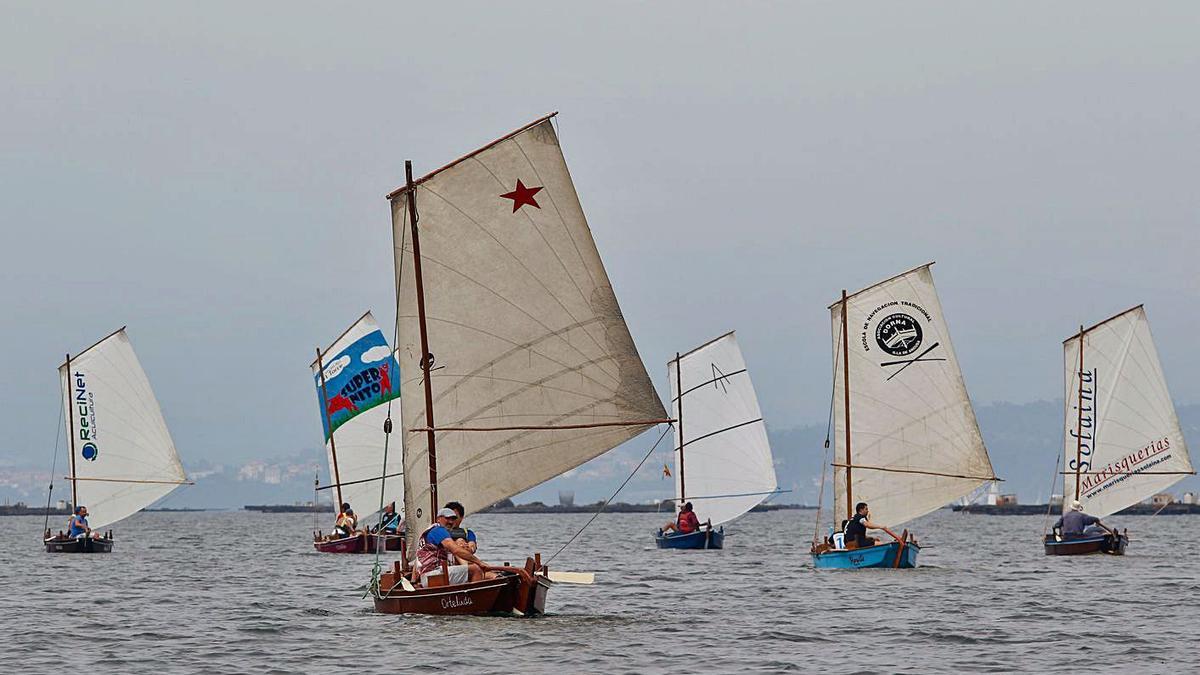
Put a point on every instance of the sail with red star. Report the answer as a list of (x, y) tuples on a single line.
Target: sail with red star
[(535, 369)]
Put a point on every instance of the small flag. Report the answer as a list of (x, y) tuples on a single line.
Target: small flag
[(666, 471)]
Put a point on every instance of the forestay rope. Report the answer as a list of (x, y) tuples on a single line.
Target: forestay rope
[(53, 467), (614, 495), (828, 430), (380, 541)]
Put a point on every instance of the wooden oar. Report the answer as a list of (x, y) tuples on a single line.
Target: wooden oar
[(572, 577)]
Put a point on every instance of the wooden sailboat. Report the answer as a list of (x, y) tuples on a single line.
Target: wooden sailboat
[(1122, 440), (723, 462), (122, 456), (356, 378), (516, 362), (916, 443)]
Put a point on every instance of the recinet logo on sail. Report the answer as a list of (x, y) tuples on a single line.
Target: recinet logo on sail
[(85, 407)]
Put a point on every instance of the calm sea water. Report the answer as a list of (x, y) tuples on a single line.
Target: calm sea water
[(244, 592)]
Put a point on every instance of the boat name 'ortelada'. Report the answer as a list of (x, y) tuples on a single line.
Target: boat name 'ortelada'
[(1085, 425), (1132, 463), (457, 601), (85, 408)]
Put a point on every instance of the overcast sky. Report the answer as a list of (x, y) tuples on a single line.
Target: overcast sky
[(213, 176)]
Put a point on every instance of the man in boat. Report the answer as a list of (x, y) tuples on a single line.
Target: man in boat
[(462, 535), (346, 522), (389, 520), (685, 523), (857, 526), (436, 547), (1075, 524), (77, 527)]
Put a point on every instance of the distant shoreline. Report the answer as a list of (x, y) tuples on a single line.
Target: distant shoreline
[(1042, 509), (618, 507)]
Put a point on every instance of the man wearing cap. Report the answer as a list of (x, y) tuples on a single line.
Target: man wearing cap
[(435, 548), (1075, 524), (686, 523)]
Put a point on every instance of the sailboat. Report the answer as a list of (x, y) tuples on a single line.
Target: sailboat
[(356, 378), (728, 469), (516, 362), (122, 456), (1121, 442), (912, 444)]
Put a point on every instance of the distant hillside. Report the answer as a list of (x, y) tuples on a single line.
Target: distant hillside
[(1022, 439)]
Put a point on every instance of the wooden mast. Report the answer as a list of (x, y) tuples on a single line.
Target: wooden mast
[(71, 433), (337, 478), (426, 357), (1079, 422), (846, 403), (679, 414)]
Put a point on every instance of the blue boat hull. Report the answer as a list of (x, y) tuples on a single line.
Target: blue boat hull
[(700, 539), (882, 555)]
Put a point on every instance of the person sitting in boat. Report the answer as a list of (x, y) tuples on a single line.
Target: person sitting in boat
[(462, 535), (1075, 524), (346, 522), (685, 523), (389, 520), (77, 527), (857, 526), (436, 547)]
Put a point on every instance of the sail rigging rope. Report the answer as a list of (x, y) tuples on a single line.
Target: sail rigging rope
[(380, 541), (53, 467), (828, 430), (614, 495), (1050, 498)]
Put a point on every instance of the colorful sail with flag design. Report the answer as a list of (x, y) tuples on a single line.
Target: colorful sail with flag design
[(360, 377)]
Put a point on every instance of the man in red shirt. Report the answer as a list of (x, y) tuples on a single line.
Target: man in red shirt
[(686, 523)]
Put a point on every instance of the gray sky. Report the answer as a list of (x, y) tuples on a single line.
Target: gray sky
[(213, 175)]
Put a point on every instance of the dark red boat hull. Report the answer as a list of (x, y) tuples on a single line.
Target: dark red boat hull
[(513, 592), (81, 545), (359, 543)]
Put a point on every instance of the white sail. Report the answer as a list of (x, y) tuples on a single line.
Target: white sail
[(123, 457), (523, 325), (361, 377), (1122, 440), (723, 462), (914, 441)]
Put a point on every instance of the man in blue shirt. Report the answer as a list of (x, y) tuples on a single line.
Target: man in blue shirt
[(389, 520), (437, 547), (1076, 524), (78, 525), (462, 535)]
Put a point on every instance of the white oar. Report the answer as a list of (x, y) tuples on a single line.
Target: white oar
[(572, 577), (406, 584)]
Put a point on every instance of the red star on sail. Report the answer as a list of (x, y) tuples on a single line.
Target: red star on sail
[(522, 196)]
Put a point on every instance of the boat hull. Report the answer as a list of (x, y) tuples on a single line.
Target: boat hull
[(359, 543), (878, 556), (81, 545), (515, 592), (700, 539), (1112, 545)]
